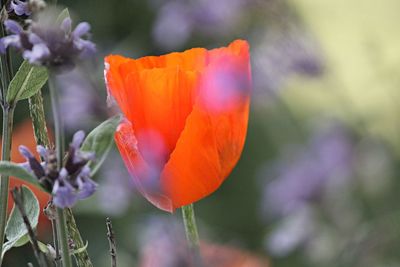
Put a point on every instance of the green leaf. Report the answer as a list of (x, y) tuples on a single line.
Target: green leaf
[(100, 141), (16, 232), (27, 81), (63, 15), (16, 170)]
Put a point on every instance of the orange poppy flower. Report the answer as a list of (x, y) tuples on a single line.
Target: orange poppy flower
[(186, 119)]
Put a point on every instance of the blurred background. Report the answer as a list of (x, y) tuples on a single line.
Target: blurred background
[(317, 183)]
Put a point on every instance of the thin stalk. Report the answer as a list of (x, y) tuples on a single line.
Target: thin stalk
[(5, 68), (111, 243), (8, 115), (55, 242), (192, 235), (41, 136), (63, 238), (58, 123), (59, 136)]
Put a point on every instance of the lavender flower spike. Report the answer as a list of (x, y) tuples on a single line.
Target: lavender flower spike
[(50, 44)]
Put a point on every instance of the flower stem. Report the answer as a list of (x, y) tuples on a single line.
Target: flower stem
[(41, 136), (192, 235), (59, 135), (63, 237), (8, 115), (58, 124)]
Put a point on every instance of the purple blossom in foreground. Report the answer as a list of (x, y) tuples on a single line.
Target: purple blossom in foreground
[(49, 44), (69, 184)]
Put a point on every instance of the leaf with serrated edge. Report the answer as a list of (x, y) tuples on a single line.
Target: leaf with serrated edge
[(100, 141)]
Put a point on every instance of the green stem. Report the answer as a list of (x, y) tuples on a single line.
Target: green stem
[(58, 124), (8, 115), (36, 111), (5, 67), (63, 237), (192, 235), (59, 134)]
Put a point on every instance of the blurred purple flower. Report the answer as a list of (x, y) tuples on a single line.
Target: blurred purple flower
[(178, 19), (77, 91), (116, 191), (163, 244), (303, 178), (293, 231), (48, 44), (280, 55)]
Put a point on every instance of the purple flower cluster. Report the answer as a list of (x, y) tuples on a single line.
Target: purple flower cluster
[(70, 183), (49, 44)]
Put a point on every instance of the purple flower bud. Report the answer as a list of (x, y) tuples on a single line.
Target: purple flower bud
[(66, 25), (77, 139), (12, 26), (81, 29), (34, 164), (11, 40), (25, 152), (86, 187), (88, 48), (20, 8), (42, 151), (34, 39), (64, 194), (38, 53)]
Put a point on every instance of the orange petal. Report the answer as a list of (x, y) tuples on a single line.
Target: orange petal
[(144, 176), (212, 141), (153, 99)]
